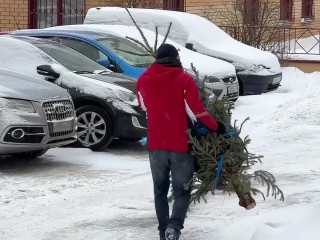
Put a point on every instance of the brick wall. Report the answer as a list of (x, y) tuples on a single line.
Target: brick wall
[(19, 10), (297, 15), (13, 13), (128, 3)]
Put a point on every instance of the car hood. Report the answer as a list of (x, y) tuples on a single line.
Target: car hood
[(20, 86), (113, 78)]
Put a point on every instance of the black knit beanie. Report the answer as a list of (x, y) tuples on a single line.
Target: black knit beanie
[(167, 51)]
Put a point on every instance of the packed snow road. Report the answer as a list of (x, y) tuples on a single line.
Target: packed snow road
[(77, 194), (51, 199)]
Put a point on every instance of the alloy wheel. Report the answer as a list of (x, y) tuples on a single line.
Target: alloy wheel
[(91, 128)]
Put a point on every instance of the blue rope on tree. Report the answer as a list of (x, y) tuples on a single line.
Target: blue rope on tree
[(222, 157)]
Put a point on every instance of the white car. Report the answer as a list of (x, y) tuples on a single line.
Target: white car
[(258, 71), (221, 76)]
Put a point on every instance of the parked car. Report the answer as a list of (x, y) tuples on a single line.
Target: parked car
[(35, 115), (105, 102), (105, 42), (258, 71)]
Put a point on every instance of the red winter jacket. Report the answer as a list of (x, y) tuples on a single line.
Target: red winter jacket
[(165, 93)]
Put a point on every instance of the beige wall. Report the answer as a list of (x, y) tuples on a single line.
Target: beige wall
[(305, 66), (13, 13)]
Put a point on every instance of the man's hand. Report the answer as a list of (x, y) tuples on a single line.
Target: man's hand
[(221, 128)]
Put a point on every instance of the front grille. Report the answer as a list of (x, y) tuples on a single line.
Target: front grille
[(63, 140), (231, 95), (60, 134), (58, 109), (273, 86)]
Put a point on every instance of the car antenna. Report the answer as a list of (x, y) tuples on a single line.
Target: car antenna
[(14, 18)]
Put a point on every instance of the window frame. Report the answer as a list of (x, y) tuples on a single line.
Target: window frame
[(287, 10), (251, 12), (58, 16), (307, 9), (174, 5)]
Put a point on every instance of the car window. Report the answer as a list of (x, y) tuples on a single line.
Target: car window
[(70, 58), (129, 51), (89, 51)]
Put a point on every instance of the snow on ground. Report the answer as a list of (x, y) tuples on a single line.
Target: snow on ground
[(78, 194)]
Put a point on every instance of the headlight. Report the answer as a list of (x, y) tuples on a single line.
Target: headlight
[(17, 105), (229, 79), (127, 97)]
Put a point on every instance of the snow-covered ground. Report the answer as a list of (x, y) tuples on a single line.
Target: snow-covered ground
[(77, 194)]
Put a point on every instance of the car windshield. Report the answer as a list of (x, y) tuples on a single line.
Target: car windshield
[(70, 58), (129, 51)]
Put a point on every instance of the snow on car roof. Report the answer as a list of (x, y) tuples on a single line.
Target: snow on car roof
[(204, 64), (205, 36)]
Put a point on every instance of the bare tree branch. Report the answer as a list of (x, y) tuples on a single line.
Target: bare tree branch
[(141, 44), (167, 33), (140, 31), (156, 40)]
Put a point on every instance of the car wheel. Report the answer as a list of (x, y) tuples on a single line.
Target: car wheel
[(94, 128), (29, 155)]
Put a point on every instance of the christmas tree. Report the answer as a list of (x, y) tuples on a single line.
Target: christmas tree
[(224, 161)]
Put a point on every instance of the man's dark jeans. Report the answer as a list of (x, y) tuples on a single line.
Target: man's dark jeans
[(181, 166)]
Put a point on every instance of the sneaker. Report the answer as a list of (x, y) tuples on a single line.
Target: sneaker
[(172, 234)]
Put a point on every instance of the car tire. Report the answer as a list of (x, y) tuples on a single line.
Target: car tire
[(94, 128), (29, 155)]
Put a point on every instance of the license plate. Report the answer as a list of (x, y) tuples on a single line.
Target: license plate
[(232, 89), (276, 80), (62, 126)]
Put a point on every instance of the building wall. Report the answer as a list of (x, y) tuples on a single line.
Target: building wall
[(13, 14)]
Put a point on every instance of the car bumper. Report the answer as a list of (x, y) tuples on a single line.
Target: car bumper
[(37, 137), (258, 84), (131, 127), (232, 91)]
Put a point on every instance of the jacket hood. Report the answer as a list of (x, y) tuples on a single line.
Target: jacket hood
[(160, 75), (20, 86)]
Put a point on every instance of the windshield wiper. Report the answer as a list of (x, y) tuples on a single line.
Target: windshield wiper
[(103, 72), (83, 72), (143, 65)]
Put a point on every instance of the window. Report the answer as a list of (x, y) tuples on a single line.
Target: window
[(69, 58), (174, 5), (307, 9), (251, 12), (128, 51), (90, 51), (48, 13), (286, 10)]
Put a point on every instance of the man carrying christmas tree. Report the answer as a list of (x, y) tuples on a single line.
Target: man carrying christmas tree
[(169, 96)]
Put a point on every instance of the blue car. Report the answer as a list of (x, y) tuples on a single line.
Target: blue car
[(118, 54)]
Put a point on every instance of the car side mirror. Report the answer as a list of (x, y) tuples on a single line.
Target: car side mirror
[(104, 62), (46, 70), (189, 46)]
